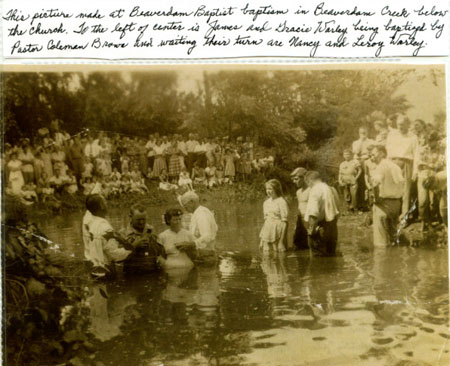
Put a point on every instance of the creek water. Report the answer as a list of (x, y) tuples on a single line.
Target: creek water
[(364, 307)]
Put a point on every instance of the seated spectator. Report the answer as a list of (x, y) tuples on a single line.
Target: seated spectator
[(126, 183), (115, 173), (88, 185), (58, 181), (210, 173), (184, 181), (28, 195), (71, 186), (164, 183), (198, 174), (138, 185), (88, 169), (220, 175)]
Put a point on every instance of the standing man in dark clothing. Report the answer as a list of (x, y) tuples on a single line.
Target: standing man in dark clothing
[(301, 234), (148, 252)]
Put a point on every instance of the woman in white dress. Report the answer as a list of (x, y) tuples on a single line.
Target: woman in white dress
[(273, 233), (175, 239), (15, 177)]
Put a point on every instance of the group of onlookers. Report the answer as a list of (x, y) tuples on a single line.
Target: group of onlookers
[(401, 172), (55, 163)]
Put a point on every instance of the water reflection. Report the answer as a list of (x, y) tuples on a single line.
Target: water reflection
[(367, 307)]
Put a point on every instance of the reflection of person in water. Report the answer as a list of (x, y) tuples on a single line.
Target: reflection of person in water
[(117, 308), (175, 240), (107, 310), (148, 253), (196, 291), (277, 278)]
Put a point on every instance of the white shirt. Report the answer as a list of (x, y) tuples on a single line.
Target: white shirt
[(401, 146), (97, 249), (182, 147), (302, 198), (149, 146), (389, 178), (190, 145), (200, 148), (169, 238), (92, 149), (360, 146), (204, 228), (322, 203)]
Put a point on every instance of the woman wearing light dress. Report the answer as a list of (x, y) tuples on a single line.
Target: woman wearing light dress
[(273, 233), (175, 239), (15, 177), (27, 158)]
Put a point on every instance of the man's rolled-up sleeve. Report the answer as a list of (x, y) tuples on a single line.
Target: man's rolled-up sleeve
[(114, 251)]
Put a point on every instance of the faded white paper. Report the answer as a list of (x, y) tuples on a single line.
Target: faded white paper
[(216, 29)]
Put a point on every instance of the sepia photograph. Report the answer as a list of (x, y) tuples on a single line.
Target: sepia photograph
[(225, 215)]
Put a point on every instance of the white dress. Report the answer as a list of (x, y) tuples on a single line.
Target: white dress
[(175, 258), (275, 215), (15, 176)]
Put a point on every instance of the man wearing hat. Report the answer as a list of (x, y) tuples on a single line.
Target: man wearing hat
[(202, 226), (301, 234)]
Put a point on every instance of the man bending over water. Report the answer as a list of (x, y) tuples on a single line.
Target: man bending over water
[(101, 243)]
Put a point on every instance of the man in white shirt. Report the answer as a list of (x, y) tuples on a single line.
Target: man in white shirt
[(301, 235), (101, 243), (202, 226), (402, 149), (321, 215), (388, 181)]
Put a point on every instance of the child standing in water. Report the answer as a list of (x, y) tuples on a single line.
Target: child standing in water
[(273, 233)]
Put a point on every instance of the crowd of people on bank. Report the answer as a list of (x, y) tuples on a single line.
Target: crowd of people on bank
[(111, 164)]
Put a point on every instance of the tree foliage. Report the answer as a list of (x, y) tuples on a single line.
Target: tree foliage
[(289, 111)]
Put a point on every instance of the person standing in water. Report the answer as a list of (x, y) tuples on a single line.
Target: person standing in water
[(273, 234), (322, 213), (301, 234), (175, 240), (148, 254), (102, 245), (203, 226)]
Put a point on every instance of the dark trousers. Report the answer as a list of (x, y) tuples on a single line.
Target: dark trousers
[(324, 240), (300, 235), (190, 160)]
